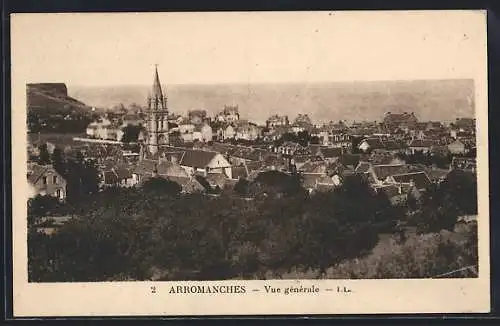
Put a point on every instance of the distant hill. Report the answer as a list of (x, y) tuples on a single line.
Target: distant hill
[(52, 98), (430, 99)]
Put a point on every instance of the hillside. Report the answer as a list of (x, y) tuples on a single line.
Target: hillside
[(429, 99), (52, 98)]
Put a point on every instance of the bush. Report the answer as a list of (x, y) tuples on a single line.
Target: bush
[(420, 256), (154, 232)]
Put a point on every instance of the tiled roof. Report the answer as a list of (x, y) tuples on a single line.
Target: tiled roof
[(145, 167), (35, 172), (383, 171), (167, 168), (238, 172), (420, 179), (442, 149), (421, 143), (374, 143), (251, 154), (197, 158), (188, 184), (331, 152), (315, 149), (313, 167), (382, 158), (255, 166), (393, 145)]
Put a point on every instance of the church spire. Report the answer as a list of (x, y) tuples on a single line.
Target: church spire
[(157, 93)]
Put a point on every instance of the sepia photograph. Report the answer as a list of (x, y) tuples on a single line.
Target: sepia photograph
[(235, 147)]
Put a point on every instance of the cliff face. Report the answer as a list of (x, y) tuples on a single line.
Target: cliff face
[(51, 97), (56, 89)]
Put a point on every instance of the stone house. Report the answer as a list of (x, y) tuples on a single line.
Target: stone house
[(44, 180)]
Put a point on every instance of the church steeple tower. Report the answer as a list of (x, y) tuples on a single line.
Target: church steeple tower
[(157, 116), (157, 93)]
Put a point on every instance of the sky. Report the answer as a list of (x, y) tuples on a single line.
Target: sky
[(208, 48)]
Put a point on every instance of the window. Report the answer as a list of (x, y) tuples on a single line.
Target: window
[(58, 193), (54, 179), (44, 180)]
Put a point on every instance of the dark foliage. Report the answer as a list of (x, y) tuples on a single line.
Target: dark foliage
[(443, 203), (131, 134), (146, 233), (154, 233), (159, 185)]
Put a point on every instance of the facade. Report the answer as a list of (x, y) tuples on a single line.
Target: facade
[(156, 118), (206, 133), (105, 129), (204, 162), (247, 132), (369, 144), (403, 120), (197, 117), (422, 146), (229, 132), (229, 114), (44, 180), (457, 147), (276, 120)]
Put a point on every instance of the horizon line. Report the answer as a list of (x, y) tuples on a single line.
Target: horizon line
[(270, 82)]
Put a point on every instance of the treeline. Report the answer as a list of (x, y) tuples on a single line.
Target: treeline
[(154, 232)]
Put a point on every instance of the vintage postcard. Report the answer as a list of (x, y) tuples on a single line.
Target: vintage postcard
[(241, 163)]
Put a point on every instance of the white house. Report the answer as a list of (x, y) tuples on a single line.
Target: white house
[(204, 162), (206, 133), (229, 132)]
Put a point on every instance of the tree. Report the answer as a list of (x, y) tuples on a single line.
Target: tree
[(58, 161), (44, 157), (303, 138), (241, 187), (90, 178), (275, 183), (315, 140), (161, 186), (460, 189), (131, 133), (438, 211), (41, 206)]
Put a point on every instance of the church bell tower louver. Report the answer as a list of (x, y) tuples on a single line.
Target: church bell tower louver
[(157, 117)]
